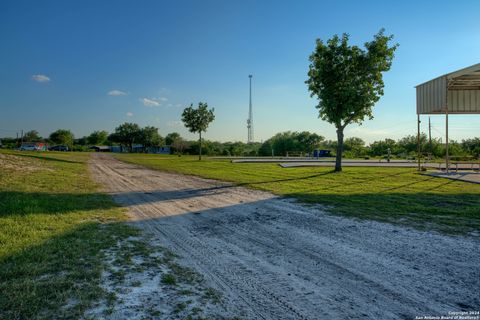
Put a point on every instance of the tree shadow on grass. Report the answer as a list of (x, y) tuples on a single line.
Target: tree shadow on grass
[(362, 181), (142, 197), (287, 179), (21, 203), (407, 184), (58, 278), (448, 213)]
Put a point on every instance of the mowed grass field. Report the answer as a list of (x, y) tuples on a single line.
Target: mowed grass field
[(394, 195), (54, 226)]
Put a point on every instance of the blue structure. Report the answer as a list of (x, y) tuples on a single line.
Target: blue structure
[(164, 150), (321, 153), (139, 148)]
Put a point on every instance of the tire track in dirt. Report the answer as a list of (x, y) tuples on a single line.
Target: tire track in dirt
[(311, 255), (194, 247), (190, 247), (274, 259)]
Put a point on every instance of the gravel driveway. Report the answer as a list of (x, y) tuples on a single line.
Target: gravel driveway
[(272, 258)]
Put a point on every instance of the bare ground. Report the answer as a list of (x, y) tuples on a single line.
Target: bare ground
[(272, 258)]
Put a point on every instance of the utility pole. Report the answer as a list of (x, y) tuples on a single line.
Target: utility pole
[(447, 156), (418, 141), (250, 115), (22, 137), (429, 134)]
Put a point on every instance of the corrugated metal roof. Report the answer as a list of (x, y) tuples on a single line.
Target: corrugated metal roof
[(458, 91)]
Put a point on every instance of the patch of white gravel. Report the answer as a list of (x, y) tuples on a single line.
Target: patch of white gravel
[(139, 293), (272, 258)]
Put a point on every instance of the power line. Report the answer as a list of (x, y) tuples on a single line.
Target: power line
[(438, 131)]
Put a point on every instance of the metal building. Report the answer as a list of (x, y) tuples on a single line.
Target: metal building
[(457, 92)]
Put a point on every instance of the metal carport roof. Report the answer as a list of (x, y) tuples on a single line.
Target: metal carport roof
[(457, 92)]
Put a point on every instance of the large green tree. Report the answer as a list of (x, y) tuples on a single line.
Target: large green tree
[(288, 141), (472, 146), (126, 134), (97, 137), (355, 147), (171, 137), (197, 121), (31, 136), (149, 137), (348, 80), (380, 147), (62, 137), (179, 145)]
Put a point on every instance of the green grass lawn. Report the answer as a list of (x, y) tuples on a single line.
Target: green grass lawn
[(54, 225), (395, 195)]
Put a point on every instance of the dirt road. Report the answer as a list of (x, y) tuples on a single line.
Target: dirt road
[(275, 259)]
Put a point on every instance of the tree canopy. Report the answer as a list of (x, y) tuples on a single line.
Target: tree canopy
[(348, 80), (284, 142), (62, 137), (126, 134), (179, 144), (31, 136), (149, 137), (97, 137), (171, 137)]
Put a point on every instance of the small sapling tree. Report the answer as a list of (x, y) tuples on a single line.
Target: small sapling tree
[(197, 121)]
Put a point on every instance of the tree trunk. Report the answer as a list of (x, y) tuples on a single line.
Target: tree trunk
[(200, 140), (338, 159)]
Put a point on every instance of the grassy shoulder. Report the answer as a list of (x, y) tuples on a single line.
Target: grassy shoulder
[(54, 227), (395, 195)]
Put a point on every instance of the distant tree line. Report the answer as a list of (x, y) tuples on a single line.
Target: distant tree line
[(290, 142), (293, 143)]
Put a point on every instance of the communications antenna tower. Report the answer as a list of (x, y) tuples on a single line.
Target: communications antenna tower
[(250, 115)]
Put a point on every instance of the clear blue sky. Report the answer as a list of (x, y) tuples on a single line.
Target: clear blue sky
[(59, 60)]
